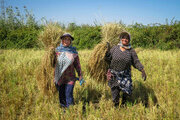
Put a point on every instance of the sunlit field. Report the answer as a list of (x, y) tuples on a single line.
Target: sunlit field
[(156, 98)]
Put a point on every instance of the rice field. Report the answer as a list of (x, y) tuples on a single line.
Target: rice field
[(156, 98)]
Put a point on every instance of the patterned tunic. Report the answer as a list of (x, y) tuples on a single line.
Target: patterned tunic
[(122, 60), (119, 74), (69, 76)]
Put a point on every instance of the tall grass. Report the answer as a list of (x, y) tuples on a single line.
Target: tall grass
[(157, 98), (97, 66), (50, 39)]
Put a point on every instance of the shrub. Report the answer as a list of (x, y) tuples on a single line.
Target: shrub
[(86, 36)]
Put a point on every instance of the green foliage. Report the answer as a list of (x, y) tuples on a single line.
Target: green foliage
[(21, 38), (85, 36), (156, 35), (18, 30), (21, 30)]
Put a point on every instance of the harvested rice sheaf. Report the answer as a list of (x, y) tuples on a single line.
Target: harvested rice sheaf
[(45, 74), (50, 38), (111, 32), (97, 66)]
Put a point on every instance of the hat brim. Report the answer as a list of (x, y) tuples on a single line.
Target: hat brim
[(67, 36)]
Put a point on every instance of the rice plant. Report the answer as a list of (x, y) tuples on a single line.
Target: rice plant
[(157, 98), (97, 67), (50, 38)]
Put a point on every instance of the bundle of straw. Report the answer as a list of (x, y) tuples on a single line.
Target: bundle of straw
[(50, 38), (97, 66)]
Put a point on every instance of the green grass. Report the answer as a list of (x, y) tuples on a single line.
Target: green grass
[(156, 98)]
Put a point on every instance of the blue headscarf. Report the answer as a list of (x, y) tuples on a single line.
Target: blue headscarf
[(70, 49), (124, 46)]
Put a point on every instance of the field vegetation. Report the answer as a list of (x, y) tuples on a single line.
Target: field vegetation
[(157, 98), (21, 53)]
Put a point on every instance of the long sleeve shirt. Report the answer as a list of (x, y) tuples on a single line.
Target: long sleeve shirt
[(122, 60), (69, 76)]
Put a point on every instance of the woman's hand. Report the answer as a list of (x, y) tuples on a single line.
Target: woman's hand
[(51, 47), (81, 80), (108, 46), (57, 53), (143, 75), (80, 77)]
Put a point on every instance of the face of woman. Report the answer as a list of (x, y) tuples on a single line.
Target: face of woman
[(66, 41), (125, 40)]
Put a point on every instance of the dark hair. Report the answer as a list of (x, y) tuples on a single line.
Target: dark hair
[(125, 34)]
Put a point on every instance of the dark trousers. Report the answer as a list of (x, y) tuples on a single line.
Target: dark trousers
[(66, 95), (115, 91)]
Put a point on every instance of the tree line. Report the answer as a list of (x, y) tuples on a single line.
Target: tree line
[(19, 30)]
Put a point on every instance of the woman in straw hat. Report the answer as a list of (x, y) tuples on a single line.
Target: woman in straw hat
[(67, 62), (120, 59)]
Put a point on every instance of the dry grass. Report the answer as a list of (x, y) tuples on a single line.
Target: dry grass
[(50, 38), (111, 32), (157, 98), (22, 97), (97, 66), (45, 73)]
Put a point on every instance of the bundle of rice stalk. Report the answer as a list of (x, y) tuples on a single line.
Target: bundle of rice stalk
[(97, 66), (50, 38), (111, 32)]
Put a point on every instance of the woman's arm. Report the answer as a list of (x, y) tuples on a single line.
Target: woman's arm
[(108, 57), (135, 61), (137, 64), (77, 66)]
